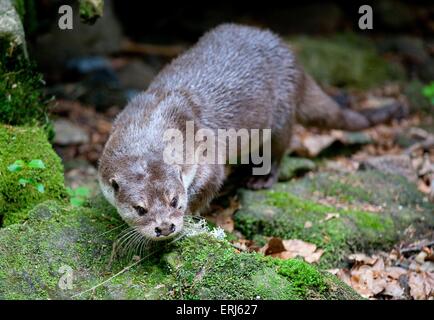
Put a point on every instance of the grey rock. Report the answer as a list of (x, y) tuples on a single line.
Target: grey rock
[(374, 208), (68, 133), (292, 167), (393, 164), (11, 27), (136, 75)]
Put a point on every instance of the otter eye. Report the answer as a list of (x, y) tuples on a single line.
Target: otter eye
[(114, 184), (140, 210), (174, 202)]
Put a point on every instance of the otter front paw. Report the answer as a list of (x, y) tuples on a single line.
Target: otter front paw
[(262, 182)]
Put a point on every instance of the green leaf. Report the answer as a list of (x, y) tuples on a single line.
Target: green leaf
[(40, 187), (77, 202), (70, 192), (16, 166), (23, 181), (82, 192), (36, 164)]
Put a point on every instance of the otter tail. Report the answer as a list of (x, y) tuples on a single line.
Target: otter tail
[(317, 109)]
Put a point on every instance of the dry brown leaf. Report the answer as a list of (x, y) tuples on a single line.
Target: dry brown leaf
[(393, 289), (308, 224), (417, 287), (224, 218), (378, 265), (395, 272), (273, 246), (361, 258), (344, 275), (304, 249), (314, 257), (330, 216), (427, 266), (420, 258), (314, 144), (245, 245), (333, 271), (423, 187), (360, 280), (366, 281), (288, 249)]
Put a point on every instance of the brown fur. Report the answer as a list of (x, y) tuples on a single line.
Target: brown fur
[(234, 77)]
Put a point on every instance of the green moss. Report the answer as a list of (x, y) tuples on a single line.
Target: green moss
[(209, 269), (91, 10), (285, 210), (197, 267), (418, 102), (292, 212), (370, 186), (303, 277), (21, 98), (26, 143), (345, 60), (292, 167)]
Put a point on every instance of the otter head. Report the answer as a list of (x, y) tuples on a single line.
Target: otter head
[(149, 195)]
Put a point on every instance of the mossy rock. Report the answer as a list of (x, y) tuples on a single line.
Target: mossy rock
[(345, 60), (292, 167), (284, 211), (21, 98), (27, 143), (35, 255)]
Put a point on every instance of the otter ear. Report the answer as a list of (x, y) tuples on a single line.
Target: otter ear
[(114, 185)]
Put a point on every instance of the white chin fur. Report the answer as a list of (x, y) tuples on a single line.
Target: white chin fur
[(108, 192)]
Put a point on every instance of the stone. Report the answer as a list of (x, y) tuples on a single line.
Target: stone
[(374, 207), (66, 253), (68, 133), (393, 164), (292, 167), (11, 28)]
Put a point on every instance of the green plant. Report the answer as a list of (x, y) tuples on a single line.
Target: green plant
[(22, 166), (22, 101), (428, 92), (78, 196)]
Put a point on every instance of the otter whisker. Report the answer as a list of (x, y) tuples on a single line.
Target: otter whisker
[(119, 243), (132, 246), (112, 229), (143, 245), (123, 238), (127, 244)]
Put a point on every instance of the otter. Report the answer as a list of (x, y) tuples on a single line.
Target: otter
[(234, 77)]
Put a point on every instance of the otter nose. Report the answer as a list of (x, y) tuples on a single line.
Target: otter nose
[(165, 229)]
